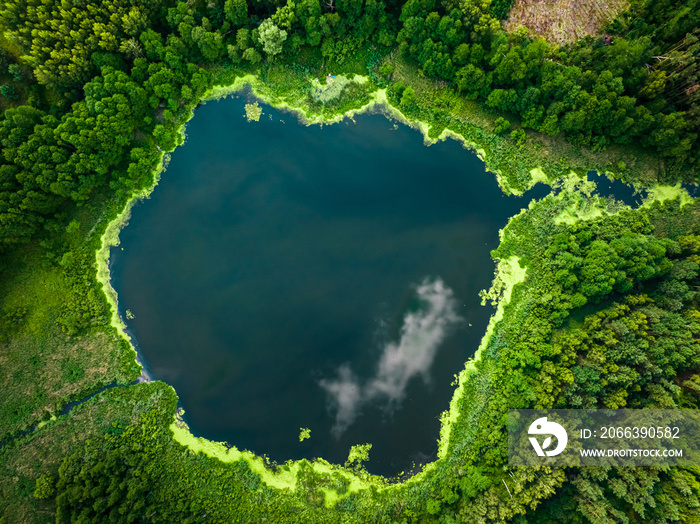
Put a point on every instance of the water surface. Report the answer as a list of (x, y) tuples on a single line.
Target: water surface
[(276, 267)]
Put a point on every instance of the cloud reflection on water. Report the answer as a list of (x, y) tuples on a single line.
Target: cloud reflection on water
[(422, 332)]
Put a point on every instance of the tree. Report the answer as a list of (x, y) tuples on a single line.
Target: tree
[(210, 43), (285, 17), (236, 12), (45, 486), (408, 97), (9, 91), (386, 69), (502, 125), (16, 71), (58, 39), (252, 55), (271, 37), (501, 8), (131, 47), (503, 99), (471, 80), (242, 38), (600, 270)]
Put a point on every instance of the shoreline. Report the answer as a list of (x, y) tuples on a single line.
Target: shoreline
[(380, 103), (508, 273)]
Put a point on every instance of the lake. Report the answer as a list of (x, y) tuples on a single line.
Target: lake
[(285, 277)]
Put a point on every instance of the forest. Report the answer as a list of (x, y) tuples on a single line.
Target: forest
[(95, 95)]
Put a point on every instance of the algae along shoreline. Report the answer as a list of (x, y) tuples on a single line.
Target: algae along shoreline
[(110, 239), (470, 436), (597, 302), (508, 273), (401, 222), (378, 103)]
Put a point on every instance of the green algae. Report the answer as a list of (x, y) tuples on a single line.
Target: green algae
[(538, 175), (109, 239), (661, 193), (285, 478), (358, 453), (508, 274), (377, 101)]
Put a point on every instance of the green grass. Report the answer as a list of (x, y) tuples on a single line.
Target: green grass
[(41, 452), (42, 368), (295, 87)]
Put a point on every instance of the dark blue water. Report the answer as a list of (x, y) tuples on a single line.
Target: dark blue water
[(276, 267), (617, 190)]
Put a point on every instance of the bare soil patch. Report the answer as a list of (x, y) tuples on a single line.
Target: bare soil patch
[(564, 21)]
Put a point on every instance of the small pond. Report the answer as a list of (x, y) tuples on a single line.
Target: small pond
[(284, 277)]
